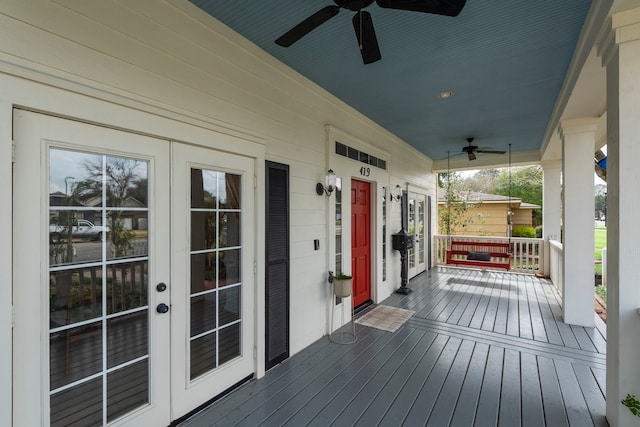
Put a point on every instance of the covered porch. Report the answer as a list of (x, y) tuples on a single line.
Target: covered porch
[(483, 348)]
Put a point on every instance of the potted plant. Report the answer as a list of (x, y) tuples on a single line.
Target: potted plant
[(342, 285)]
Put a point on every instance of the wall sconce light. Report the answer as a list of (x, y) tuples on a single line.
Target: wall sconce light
[(396, 194), (329, 185)]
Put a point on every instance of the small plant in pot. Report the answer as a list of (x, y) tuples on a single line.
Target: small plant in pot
[(342, 285)]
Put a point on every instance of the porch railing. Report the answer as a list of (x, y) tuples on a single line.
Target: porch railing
[(528, 254), (556, 263)]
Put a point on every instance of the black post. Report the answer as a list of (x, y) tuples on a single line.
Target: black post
[(404, 261)]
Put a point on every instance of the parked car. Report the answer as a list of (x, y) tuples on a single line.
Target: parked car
[(81, 228)]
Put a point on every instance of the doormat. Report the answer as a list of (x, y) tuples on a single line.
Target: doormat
[(386, 318)]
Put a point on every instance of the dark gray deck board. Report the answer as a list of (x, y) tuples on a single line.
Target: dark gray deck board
[(484, 348), (532, 409), (384, 396), (445, 403), (526, 328), (488, 323), (503, 306), (554, 410), (489, 403), (483, 302), (510, 392), (293, 396), (467, 403), (601, 378), (367, 365), (404, 400), (592, 395), (425, 399), (537, 322), (548, 320), (577, 410)]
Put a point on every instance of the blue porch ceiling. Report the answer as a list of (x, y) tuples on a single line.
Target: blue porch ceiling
[(505, 62)]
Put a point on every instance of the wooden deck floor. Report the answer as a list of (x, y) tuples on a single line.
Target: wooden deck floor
[(483, 349)]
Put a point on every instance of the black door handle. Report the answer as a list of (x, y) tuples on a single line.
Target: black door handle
[(162, 308)]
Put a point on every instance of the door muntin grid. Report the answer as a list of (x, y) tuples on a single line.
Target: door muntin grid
[(215, 303), (98, 286)]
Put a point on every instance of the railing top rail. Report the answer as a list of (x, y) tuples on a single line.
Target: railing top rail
[(487, 238)]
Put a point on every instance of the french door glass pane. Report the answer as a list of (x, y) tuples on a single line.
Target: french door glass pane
[(420, 231), (412, 231), (98, 286), (215, 305)]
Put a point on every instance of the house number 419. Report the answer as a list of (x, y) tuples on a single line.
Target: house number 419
[(365, 171)]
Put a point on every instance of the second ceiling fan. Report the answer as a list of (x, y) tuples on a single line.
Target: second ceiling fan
[(362, 22), (471, 150)]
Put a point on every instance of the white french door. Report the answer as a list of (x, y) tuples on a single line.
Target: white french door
[(212, 215), (416, 211), (115, 263)]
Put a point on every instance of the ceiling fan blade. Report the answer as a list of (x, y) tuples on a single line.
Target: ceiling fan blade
[(439, 7), (480, 150), (367, 41), (308, 25), (471, 155)]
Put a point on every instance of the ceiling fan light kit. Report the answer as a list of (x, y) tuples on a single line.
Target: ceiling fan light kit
[(363, 23)]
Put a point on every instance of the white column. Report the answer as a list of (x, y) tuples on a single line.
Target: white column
[(620, 51), (578, 142), (551, 206)]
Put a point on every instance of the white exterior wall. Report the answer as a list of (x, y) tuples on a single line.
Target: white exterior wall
[(167, 69)]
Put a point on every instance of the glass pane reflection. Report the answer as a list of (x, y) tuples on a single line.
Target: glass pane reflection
[(230, 193), (203, 355), (229, 305), (74, 354), (203, 230), (73, 177), (75, 236), (65, 410), (229, 229), (127, 389), (74, 295), (127, 286), (203, 313), (203, 272), (127, 338), (127, 234), (127, 182), (204, 189), (229, 267), (229, 343)]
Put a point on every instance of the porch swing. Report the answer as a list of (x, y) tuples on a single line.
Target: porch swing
[(475, 253)]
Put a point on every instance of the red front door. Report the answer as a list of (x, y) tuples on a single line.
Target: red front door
[(360, 241)]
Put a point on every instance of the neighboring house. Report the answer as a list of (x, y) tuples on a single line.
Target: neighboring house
[(488, 214)]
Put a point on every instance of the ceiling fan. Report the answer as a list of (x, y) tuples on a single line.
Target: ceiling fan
[(362, 22), (471, 150)]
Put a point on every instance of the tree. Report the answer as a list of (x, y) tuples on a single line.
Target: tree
[(122, 180), (523, 183), (482, 180), (600, 192), (454, 214)]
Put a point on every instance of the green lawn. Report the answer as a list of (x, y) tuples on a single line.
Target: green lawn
[(600, 242)]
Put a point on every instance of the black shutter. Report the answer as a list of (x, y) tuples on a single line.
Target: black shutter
[(277, 264)]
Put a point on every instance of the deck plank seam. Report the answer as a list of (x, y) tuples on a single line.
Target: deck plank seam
[(589, 359)]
